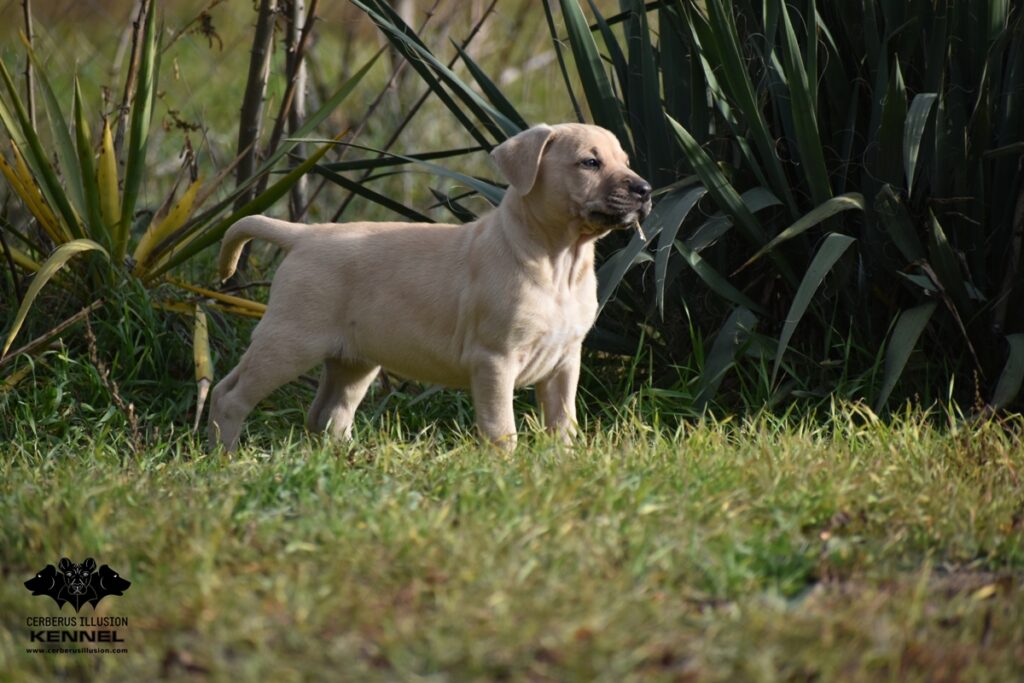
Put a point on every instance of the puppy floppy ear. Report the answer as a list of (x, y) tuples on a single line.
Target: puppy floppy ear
[(518, 158)]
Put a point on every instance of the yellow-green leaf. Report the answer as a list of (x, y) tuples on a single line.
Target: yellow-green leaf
[(985, 592), (14, 379), (203, 363), (106, 180), (90, 195), (235, 301), (162, 228), (25, 188), (23, 259)]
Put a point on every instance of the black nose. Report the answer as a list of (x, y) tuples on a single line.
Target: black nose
[(640, 188)]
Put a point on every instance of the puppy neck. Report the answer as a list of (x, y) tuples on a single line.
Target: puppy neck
[(550, 234), (562, 248)]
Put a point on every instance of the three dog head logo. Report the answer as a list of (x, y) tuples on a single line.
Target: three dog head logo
[(77, 583)]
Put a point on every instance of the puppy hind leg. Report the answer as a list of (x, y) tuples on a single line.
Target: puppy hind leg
[(316, 418), (265, 366), (343, 385)]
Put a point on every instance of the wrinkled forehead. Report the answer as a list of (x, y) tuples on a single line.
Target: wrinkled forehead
[(583, 140)]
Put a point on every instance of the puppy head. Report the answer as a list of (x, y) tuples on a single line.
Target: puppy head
[(575, 174)]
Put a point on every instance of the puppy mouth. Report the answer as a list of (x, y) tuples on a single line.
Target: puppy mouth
[(607, 217)]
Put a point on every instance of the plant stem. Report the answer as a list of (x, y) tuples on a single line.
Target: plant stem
[(299, 30), (30, 100), (133, 72), (255, 93), (293, 108), (251, 116), (15, 280)]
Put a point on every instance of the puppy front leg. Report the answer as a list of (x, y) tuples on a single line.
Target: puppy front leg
[(492, 384), (557, 396)]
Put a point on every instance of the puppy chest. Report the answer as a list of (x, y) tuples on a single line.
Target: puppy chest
[(550, 345), (562, 334)]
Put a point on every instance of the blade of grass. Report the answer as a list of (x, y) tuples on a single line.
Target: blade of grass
[(23, 260), (834, 246), (1012, 377), (802, 84), (461, 213), (719, 187), (94, 217), (611, 44), (618, 264), (731, 337), (909, 327), (644, 99), (913, 130), (846, 202), (381, 200), (387, 161), (756, 199), (221, 297), (719, 36), (670, 211), (727, 198), (604, 106), (675, 207), (402, 37), (492, 91), (947, 267), (715, 281), (556, 41), (890, 132), (893, 214), (492, 193)]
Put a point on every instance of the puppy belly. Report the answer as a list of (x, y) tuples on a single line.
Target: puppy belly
[(428, 373), (403, 357)]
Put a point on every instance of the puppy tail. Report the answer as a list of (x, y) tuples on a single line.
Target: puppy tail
[(282, 233)]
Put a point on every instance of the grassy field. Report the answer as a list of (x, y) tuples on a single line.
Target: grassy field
[(759, 550)]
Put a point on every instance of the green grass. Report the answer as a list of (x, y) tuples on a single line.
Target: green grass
[(762, 549)]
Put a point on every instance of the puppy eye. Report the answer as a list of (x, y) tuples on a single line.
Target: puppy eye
[(591, 163)]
